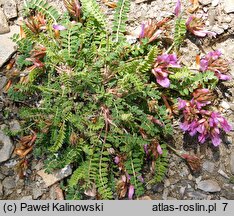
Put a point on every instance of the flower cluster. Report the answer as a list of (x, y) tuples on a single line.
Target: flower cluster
[(195, 25), (200, 121), (150, 29), (161, 66), (213, 62)]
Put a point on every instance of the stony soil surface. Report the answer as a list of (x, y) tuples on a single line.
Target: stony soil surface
[(215, 181)]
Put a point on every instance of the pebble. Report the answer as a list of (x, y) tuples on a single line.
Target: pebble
[(145, 198), (225, 105), (229, 6), (9, 183), (53, 194), (225, 26), (14, 126), (232, 163), (4, 27), (140, 1), (182, 190), (3, 82), (165, 193), (208, 166), (7, 45), (209, 186), (222, 173), (19, 191), (37, 192), (205, 2), (196, 195), (217, 30), (158, 188), (198, 179), (26, 198), (2, 176), (214, 3), (226, 19), (1, 189), (190, 177), (6, 147), (10, 9), (184, 172), (167, 183), (56, 176)]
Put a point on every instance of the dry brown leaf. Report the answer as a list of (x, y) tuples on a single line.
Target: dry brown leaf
[(194, 7), (111, 4)]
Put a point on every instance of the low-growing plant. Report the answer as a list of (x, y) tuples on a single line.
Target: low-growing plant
[(102, 104)]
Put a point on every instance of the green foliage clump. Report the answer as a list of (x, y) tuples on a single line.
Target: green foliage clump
[(97, 104)]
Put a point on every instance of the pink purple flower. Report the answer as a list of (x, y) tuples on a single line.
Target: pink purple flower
[(213, 62), (150, 29), (59, 27), (195, 26), (130, 192), (177, 8), (116, 160), (181, 103), (146, 149), (159, 149), (205, 123), (160, 70)]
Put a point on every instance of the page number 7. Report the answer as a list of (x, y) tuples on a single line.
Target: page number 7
[(225, 205)]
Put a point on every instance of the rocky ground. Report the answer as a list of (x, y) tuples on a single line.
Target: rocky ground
[(215, 181)]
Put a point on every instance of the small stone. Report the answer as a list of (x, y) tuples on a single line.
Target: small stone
[(140, 1), (171, 198), (11, 163), (217, 30), (56, 176), (14, 126), (209, 186), (4, 27), (208, 166), (10, 9), (225, 26), (229, 6), (211, 16), (9, 183), (225, 105), (37, 192), (1, 189), (226, 19), (190, 177), (165, 193), (198, 179), (205, 2), (6, 147), (215, 3), (232, 163), (167, 183), (158, 188), (222, 173), (53, 192), (196, 195), (182, 190), (37, 165), (3, 82), (2, 176), (184, 172), (19, 191), (26, 198), (145, 198), (7, 45)]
